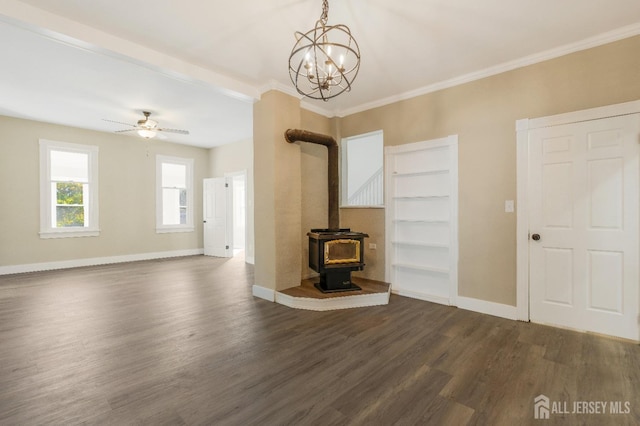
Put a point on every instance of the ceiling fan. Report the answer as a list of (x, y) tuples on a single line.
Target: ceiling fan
[(146, 127)]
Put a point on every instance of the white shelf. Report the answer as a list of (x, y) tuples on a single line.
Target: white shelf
[(420, 221), (421, 268), (420, 173), (422, 245)]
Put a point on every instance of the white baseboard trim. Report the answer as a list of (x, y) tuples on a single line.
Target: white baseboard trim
[(264, 293), (94, 261), (250, 260), (489, 308), (421, 296), (333, 303)]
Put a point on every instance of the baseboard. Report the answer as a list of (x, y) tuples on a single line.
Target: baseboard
[(94, 261), (421, 296), (264, 293), (486, 307), (250, 260)]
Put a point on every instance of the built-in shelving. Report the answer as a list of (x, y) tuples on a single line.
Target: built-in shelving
[(421, 222)]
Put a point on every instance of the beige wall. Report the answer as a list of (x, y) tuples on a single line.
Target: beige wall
[(236, 157), (127, 195), (277, 183), (483, 114)]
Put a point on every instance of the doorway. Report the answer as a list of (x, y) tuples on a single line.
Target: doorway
[(239, 210), (578, 220), (225, 215)]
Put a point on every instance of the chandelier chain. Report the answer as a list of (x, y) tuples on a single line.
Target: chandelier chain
[(325, 12)]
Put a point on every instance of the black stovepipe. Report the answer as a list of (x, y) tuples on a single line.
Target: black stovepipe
[(295, 135)]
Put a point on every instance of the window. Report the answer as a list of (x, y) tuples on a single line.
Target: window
[(362, 171), (174, 206), (68, 190)]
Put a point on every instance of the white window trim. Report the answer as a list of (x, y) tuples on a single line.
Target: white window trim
[(46, 230), (189, 163)]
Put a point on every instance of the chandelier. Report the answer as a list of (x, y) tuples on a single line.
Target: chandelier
[(325, 60)]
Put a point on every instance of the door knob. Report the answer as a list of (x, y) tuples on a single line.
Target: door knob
[(535, 237)]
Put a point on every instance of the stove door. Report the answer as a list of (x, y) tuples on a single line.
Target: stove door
[(341, 251)]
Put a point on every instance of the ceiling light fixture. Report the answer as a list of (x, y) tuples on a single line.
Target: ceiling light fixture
[(146, 133), (325, 60)]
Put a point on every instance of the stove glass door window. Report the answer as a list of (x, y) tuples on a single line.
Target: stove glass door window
[(341, 251)]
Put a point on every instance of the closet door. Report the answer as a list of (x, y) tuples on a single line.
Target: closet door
[(421, 203)]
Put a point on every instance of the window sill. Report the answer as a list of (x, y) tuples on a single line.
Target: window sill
[(169, 230), (68, 233)]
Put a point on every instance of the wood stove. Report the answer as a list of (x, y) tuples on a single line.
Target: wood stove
[(334, 254)]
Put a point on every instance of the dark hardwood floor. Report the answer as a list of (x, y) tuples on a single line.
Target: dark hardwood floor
[(183, 341)]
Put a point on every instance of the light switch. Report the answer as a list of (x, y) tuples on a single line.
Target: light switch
[(508, 206), (372, 246)]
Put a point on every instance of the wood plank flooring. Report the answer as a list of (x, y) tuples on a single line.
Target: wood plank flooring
[(182, 341)]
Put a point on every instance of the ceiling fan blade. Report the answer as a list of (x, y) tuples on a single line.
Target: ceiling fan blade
[(118, 122), (182, 132), (125, 130)]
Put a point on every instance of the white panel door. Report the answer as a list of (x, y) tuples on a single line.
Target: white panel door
[(218, 222), (584, 225)]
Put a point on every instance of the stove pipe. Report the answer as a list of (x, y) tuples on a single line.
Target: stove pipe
[(295, 135)]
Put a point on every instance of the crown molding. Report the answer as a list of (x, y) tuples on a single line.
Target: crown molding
[(289, 90), (315, 108), (591, 42), (276, 85)]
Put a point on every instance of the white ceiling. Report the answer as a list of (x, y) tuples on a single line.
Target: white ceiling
[(200, 65)]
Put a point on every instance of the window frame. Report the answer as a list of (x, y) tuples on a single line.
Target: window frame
[(161, 228), (47, 206), (344, 158)]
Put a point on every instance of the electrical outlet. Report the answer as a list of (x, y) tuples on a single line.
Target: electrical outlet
[(372, 246)]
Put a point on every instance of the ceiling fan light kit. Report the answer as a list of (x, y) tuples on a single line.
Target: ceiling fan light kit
[(148, 134), (325, 60)]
